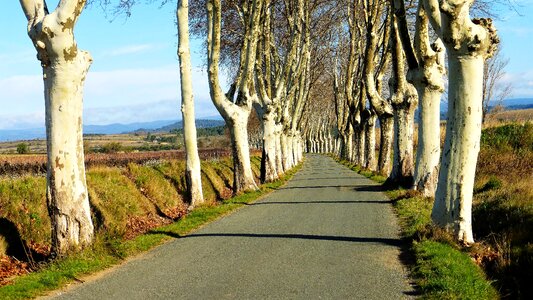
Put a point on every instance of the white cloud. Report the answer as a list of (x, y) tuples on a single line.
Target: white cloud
[(125, 96), (145, 112), (22, 121), (21, 94), (15, 58), (522, 84)]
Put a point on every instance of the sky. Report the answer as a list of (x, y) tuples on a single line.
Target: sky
[(135, 72)]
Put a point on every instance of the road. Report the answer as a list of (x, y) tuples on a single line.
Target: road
[(327, 234)]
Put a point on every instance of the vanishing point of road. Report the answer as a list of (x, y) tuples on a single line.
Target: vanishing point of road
[(327, 234)]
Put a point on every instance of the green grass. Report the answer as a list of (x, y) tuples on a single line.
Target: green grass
[(108, 251), (414, 214), (515, 137), (442, 272), (116, 198), (155, 187), (367, 173), (22, 204)]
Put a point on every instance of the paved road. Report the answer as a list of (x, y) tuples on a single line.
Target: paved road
[(327, 234)]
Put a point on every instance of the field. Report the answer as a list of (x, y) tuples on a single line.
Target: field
[(130, 142), (509, 116)]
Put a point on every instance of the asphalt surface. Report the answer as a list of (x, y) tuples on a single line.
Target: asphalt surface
[(327, 234)]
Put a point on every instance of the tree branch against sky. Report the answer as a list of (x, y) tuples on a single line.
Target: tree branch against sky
[(134, 49)]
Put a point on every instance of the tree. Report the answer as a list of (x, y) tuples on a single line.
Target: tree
[(381, 106), (23, 148), (273, 73), (429, 82), (235, 110), (404, 100), (494, 90), (426, 70), (64, 70), (468, 42), (193, 169)]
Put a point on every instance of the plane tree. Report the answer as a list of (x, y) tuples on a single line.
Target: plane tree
[(193, 170), (64, 68), (468, 43)]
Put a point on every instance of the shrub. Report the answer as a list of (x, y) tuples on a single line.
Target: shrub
[(514, 137), (112, 147), (23, 148)]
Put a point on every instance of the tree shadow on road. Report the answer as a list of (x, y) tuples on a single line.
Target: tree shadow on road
[(320, 202), (370, 240)]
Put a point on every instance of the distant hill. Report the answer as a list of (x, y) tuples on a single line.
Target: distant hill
[(23, 134), (116, 128), (508, 104), (200, 123)]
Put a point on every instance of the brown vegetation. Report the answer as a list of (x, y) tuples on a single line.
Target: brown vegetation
[(130, 194), (503, 208), (508, 116), (14, 165)]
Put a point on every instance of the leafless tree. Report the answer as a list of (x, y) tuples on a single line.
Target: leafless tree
[(495, 89)]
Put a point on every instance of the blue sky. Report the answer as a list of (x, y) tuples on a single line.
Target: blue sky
[(134, 76)]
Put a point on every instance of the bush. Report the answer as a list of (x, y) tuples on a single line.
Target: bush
[(23, 148), (514, 137), (112, 147)]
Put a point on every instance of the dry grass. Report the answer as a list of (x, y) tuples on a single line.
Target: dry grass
[(511, 116), (152, 184), (23, 204), (503, 208), (116, 199)]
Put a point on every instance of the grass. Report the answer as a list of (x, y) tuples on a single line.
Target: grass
[(107, 251), (155, 187), (22, 205), (115, 198), (443, 272), (439, 267), (503, 208)]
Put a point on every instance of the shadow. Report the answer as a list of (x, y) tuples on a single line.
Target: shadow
[(370, 188), (324, 178), (385, 241), (16, 247), (317, 187), (319, 202)]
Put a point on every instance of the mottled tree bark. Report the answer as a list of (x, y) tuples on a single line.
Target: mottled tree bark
[(193, 170), (469, 43), (429, 82), (235, 113), (64, 70), (404, 100)]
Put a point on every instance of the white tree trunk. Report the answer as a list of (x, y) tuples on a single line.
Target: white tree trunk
[(193, 170), (243, 177), (279, 152), (428, 150), (361, 145), (64, 71), (403, 166), (268, 161), (453, 199), (469, 43), (385, 148), (370, 143), (429, 83)]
